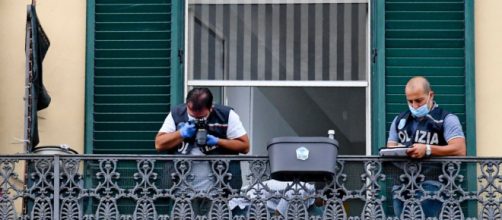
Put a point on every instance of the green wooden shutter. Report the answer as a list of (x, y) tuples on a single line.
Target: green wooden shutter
[(131, 73), (133, 76), (425, 38), (433, 39)]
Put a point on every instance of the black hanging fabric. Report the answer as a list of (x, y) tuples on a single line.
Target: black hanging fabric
[(39, 98)]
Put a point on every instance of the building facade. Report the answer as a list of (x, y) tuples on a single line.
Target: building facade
[(115, 68), (467, 51)]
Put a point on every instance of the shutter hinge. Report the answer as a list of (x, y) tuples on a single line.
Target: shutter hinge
[(374, 54), (180, 55)]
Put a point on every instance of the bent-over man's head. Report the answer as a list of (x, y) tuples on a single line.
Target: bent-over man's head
[(199, 102)]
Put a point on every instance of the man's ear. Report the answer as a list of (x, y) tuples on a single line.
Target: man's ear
[(189, 105), (189, 108)]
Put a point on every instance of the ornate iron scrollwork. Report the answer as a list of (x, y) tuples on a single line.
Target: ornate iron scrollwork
[(157, 187), (9, 191)]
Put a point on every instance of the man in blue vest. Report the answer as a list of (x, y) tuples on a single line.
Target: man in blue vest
[(428, 131), (225, 136)]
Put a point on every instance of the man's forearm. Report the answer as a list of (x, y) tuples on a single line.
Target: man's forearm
[(455, 147), (167, 141), (240, 145), (448, 150)]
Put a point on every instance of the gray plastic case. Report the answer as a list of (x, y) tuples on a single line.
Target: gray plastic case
[(288, 159)]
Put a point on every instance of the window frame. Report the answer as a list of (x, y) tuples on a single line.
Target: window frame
[(286, 83)]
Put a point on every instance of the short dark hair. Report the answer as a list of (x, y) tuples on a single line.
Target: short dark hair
[(200, 98)]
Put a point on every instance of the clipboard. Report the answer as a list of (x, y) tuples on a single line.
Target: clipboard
[(394, 152)]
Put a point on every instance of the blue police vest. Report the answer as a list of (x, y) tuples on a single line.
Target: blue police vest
[(217, 126), (427, 130)]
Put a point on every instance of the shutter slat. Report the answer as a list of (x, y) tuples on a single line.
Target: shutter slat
[(146, 80), (423, 71), (132, 35), (128, 116), (131, 1), (424, 52), (123, 135), (132, 53), (425, 15), (128, 126), (139, 89), (444, 62), (425, 6), (410, 1), (140, 98), (132, 44), (424, 24), (424, 43), (426, 35), (131, 107), (435, 80), (132, 71), (133, 17), (126, 62), (133, 26), (131, 8)]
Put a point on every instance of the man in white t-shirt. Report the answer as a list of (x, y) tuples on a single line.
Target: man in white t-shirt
[(225, 136)]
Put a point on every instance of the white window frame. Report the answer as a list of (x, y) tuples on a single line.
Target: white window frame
[(284, 83)]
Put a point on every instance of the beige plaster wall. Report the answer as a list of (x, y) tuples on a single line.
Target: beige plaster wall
[(488, 42), (64, 73)]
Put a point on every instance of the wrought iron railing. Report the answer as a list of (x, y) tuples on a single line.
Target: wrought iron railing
[(161, 187)]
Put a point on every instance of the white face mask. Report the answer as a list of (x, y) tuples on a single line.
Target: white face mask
[(420, 111)]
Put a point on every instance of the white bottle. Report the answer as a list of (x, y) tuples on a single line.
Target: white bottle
[(331, 134)]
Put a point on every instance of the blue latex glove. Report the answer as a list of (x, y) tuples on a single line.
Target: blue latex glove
[(180, 125), (187, 130), (212, 140)]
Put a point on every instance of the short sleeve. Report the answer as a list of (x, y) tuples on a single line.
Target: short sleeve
[(452, 128), (235, 128), (393, 132), (168, 125)]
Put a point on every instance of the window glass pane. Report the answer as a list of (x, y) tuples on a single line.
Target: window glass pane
[(277, 41), (268, 112)]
